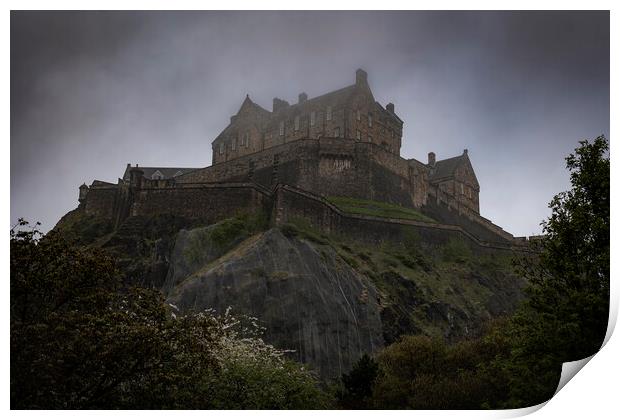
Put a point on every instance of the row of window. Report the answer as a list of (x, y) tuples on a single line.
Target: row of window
[(245, 141), (328, 117)]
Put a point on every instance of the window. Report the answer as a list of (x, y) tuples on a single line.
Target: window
[(312, 118), (358, 135), (337, 132), (233, 144), (246, 139), (463, 189), (328, 113), (369, 138), (157, 175), (297, 123), (281, 128), (359, 115), (222, 148), (369, 120)]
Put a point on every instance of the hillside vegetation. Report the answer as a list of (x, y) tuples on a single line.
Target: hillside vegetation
[(378, 208)]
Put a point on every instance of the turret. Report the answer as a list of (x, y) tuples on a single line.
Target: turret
[(83, 192)]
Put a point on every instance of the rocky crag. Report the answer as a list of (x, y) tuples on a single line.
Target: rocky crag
[(328, 298)]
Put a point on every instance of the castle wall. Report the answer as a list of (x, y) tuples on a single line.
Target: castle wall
[(292, 204), (210, 203), (101, 201), (326, 166), (443, 206)]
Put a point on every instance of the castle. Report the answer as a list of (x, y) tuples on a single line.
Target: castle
[(289, 161)]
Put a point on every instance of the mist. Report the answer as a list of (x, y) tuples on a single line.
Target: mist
[(93, 91)]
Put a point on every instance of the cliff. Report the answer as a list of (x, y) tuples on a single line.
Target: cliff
[(328, 297)]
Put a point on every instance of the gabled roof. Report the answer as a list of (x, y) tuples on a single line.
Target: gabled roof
[(334, 98), (166, 172), (248, 103), (446, 168)]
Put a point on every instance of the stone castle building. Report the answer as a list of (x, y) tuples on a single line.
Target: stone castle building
[(343, 143)]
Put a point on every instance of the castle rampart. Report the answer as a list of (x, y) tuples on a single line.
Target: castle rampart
[(326, 166)]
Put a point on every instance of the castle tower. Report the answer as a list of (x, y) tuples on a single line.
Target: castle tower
[(83, 192)]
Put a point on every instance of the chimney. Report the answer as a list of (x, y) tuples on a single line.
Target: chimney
[(465, 152), (135, 177), (279, 104), (361, 77), (431, 159), (303, 97), (390, 107)]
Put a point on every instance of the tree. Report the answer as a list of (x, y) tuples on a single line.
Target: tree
[(358, 384), (565, 315), (79, 339)]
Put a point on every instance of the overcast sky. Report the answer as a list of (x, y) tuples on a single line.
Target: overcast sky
[(93, 91)]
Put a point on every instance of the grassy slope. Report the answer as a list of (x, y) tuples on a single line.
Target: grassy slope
[(444, 292), (377, 208)]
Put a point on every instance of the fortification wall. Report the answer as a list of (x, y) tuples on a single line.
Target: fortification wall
[(447, 209), (207, 202), (326, 166), (211, 202), (292, 204), (101, 201)]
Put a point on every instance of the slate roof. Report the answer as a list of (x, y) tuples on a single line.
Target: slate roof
[(446, 168), (166, 172), (334, 98)]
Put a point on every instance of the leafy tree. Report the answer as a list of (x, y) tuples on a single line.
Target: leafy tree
[(81, 340), (358, 384), (565, 315)]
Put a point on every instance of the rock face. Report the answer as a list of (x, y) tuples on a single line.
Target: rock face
[(309, 299)]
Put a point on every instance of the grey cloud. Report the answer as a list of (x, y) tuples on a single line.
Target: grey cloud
[(92, 91)]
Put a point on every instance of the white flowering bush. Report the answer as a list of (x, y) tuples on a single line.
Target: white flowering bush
[(252, 374)]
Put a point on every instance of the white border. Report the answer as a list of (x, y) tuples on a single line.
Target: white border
[(592, 394)]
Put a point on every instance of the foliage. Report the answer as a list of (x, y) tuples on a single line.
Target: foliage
[(358, 383), (565, 315), (456, 250), (419, 372), (378, 208), (81, 228), (81, 340)]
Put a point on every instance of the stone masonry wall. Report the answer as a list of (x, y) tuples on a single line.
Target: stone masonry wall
[(326, 166), (101, 201), (292, 204), (208, 202)]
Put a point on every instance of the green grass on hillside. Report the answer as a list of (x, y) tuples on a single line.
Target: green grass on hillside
[(377, 208)]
